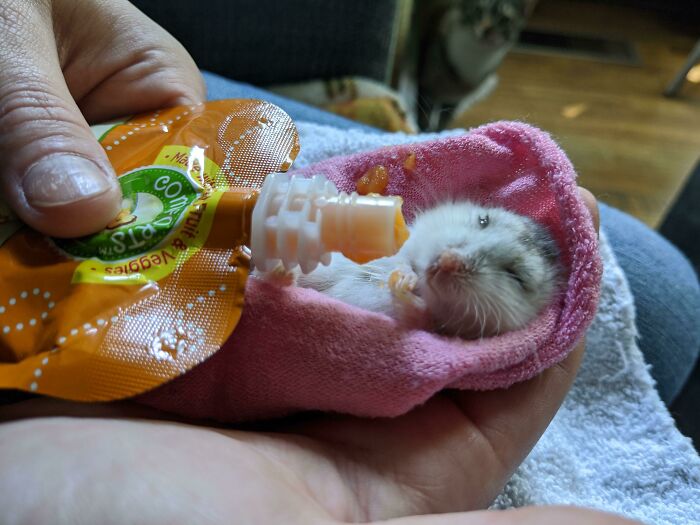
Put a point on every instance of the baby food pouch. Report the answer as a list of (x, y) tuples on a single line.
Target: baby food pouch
[(115, 314)]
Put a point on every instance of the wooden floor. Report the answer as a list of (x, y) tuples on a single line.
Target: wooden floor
[(631, 146)]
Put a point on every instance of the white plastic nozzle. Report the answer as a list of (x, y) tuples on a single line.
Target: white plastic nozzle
[(301, 221)]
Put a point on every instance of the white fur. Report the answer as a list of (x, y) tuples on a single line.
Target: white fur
[(485, 302)]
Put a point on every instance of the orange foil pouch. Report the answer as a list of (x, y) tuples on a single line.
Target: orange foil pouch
[(159, 290)]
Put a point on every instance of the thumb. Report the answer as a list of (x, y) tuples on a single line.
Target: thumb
[(54, 173), (521, 516)]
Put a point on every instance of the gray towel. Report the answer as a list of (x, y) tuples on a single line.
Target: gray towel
[(613, 445)]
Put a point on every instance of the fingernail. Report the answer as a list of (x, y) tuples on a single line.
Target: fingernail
[(61, 179)]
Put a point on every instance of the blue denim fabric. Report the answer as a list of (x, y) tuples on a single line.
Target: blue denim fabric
[(666, 296), (219, 87), (665, 287)]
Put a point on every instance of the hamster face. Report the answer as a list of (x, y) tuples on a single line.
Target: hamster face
[(482, 271)]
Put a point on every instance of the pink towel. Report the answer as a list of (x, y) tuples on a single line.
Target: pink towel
[(296, 349)]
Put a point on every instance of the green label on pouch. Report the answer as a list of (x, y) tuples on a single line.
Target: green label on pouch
[(165, 219), (155, 199)]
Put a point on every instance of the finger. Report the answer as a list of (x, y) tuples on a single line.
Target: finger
[(592, 204), (53, 173), (41, 407), (123, 62), (512, 420), (523, 516), (68, 471)]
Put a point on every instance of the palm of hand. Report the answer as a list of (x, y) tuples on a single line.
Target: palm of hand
[(454, 453)]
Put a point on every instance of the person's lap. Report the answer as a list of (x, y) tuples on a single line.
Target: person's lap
[(666, 296), (666, 291)]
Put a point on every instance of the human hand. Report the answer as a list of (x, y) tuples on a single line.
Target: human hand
[(120, 463), (64, 63)]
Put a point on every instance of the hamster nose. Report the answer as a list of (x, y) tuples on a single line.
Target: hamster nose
[(450, 261)]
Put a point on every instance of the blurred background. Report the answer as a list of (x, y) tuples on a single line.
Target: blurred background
[(617, 83)]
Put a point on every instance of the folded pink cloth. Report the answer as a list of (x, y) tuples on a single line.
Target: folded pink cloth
[(295, 349)]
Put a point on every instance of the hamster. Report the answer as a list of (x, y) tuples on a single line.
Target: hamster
[(466, 271)]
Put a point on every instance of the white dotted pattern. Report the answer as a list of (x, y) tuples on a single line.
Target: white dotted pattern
[(183, 337), (23, 296), (60, 341), (165, 338), (38, 372), (136, 128), (226, 166), (153, 121)]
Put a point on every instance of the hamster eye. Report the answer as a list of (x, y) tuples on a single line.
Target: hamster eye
[(513, 274), (483, 221)]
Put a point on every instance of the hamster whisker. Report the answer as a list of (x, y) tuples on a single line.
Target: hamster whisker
[(455, 287), (498, 318), (367, 277), (372, 270), (453, 311), (431, 285), (495, 312), (512, 315), (475, 312), (477, 318), (483, 320), (464, 315), (503, 309)]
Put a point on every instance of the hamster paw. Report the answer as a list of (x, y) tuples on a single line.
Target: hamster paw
[(280, 276), (409, 306), (402, 284)]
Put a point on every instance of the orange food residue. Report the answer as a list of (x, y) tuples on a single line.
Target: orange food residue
[(375, 180), (410, 162)]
